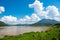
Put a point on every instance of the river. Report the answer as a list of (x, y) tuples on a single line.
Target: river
[(16, 30)]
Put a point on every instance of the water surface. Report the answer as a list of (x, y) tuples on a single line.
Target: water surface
[(15, 30)]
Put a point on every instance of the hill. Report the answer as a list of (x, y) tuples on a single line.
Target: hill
[(45, 22), (2, 24)]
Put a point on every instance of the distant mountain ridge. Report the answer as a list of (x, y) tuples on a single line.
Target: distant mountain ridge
[(22, 24), (45, 22)]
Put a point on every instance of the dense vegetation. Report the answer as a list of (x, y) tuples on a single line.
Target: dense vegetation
[(50, 34)]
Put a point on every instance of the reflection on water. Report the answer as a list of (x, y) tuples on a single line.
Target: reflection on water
[(15, 30)]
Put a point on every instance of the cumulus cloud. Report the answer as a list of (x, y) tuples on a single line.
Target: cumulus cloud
[(29, 20), (24, 20), (2, 9), (38, 8), (34, 17), (51, 12), (40, 12), (9, 19), (37, 5)]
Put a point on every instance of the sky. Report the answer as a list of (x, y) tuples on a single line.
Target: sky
[(29, 11)]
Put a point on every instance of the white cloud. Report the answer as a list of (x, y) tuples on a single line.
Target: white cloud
[(38, 8), (2, 9), (37, 5), (29, 20), (9, 19), (57, 18), (34, 17), (51, 12), (25, 20)]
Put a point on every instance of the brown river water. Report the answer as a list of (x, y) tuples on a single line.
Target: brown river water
[(16, 30)]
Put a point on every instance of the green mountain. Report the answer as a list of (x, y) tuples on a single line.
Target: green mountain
[(45, 22), (2, 24)]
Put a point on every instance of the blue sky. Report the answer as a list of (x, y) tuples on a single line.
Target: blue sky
[(20, 8)]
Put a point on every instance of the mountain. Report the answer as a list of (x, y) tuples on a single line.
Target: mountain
[(2, 24), (45, 22)]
